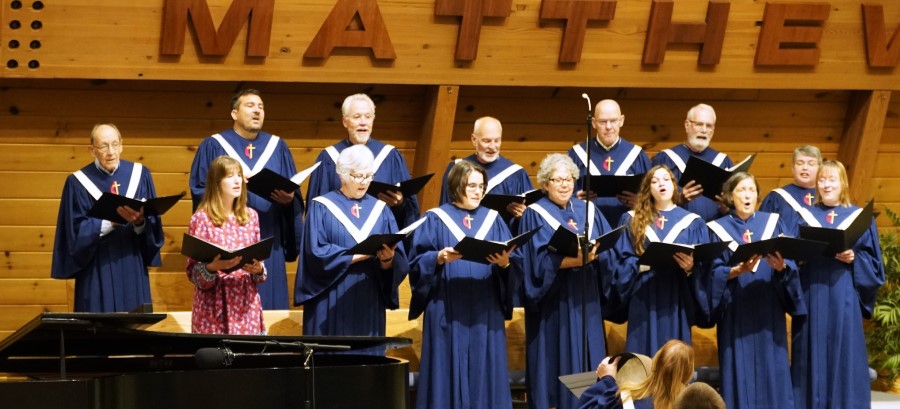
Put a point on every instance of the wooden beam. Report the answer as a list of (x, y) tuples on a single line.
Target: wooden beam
[(433, 147), (864, 123)]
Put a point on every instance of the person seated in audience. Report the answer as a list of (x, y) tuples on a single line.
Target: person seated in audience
[(226, 301), (699, 395), (795, 200), (672, 368)]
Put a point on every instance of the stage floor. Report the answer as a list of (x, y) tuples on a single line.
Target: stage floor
[(881, 400)]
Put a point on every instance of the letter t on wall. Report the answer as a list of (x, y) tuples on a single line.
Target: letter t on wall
[(661, 32), (577, 13), (472, 13)]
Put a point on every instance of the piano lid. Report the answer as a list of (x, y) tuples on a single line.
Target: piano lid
[(90, 336)]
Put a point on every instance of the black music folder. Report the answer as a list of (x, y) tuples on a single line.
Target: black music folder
[(612, 185), (499, 202), (105, 207), (839, 240), (372, 244), (476, 250), (204, 251), (565, 242), (710, 176), (659, 255), (407, 187), (790, 248), (266, 181)]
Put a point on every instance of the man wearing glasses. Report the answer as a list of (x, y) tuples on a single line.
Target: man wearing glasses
[(699, 126), (281, 214), (358, 118), (108, 260), (610, 155)]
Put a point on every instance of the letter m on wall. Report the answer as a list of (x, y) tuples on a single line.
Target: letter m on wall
[(256, 13)]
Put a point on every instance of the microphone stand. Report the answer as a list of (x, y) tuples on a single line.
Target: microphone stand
[(586, 241)]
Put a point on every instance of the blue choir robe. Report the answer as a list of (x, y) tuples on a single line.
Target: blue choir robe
[(749, 312), (792, 203), (283, 223), (504, 177), (829, 365), (340, 298), (624, 158), (390, 167), (662, 304), (604, 394), (463, 361), (110, 271), (562, 306), (707, 208)]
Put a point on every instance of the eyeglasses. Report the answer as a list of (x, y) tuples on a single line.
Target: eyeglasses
[(358, 117), (607, 122), (475, 186), (698, 124), (561, 181), (109, 148), (362, 178)]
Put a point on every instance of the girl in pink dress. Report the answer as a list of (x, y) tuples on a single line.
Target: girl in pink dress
[(225, 301)]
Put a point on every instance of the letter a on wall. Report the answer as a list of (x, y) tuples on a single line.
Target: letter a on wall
[(339, 30)]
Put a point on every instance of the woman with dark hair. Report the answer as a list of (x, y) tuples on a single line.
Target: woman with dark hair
[(829, 366), (661, 302), (671, 370), (563, 325), (225, 301), (463, 362), (749, 309)]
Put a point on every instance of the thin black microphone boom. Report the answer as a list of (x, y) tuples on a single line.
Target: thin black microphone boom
[(214, 358), (585, 243)]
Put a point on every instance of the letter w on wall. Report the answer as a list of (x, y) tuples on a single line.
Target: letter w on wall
[(256, 13)]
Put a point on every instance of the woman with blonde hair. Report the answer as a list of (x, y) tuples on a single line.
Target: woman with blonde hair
[(661, 302), (671, 370), (226, 300)]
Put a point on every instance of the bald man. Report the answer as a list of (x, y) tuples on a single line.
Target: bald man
[(610, 155), (108, 260)]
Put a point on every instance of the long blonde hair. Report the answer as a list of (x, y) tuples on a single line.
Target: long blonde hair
[(645, 208), (673, 367), (219, 169)]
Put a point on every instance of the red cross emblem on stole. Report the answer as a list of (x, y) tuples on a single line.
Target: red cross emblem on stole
[(249, 150), (607, 164), (114, 187), (830, 216), (809, 199), (661, 222), (572, 224), (747, 235), (467, 221), (354, 211)]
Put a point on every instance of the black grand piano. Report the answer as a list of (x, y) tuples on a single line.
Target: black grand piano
[(106, 361)]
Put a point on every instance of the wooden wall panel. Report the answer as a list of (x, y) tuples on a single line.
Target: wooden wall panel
[(121, 39)]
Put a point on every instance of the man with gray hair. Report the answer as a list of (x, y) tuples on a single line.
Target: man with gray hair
[(358, 118), (699, 126), (108, 259), (793, 201)]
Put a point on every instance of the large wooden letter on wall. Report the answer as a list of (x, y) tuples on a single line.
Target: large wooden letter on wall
[(337, 31), (256, 13), (661, 31), (879, 52), (471, 13), (790, 34), (577, 13)]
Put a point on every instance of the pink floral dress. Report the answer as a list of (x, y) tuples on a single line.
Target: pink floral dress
[(225, 303)]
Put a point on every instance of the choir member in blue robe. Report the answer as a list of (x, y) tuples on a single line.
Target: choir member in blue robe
[(563, 318), (107, 260), (661, 302), (610, 155), (794, 201), (699, 126), (671, 369), (829, 365), (358, 113), (463, 362), (281, 215), (749, 309), (341, 293)]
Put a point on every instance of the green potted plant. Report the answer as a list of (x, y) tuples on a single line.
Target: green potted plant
[(883, 334)]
